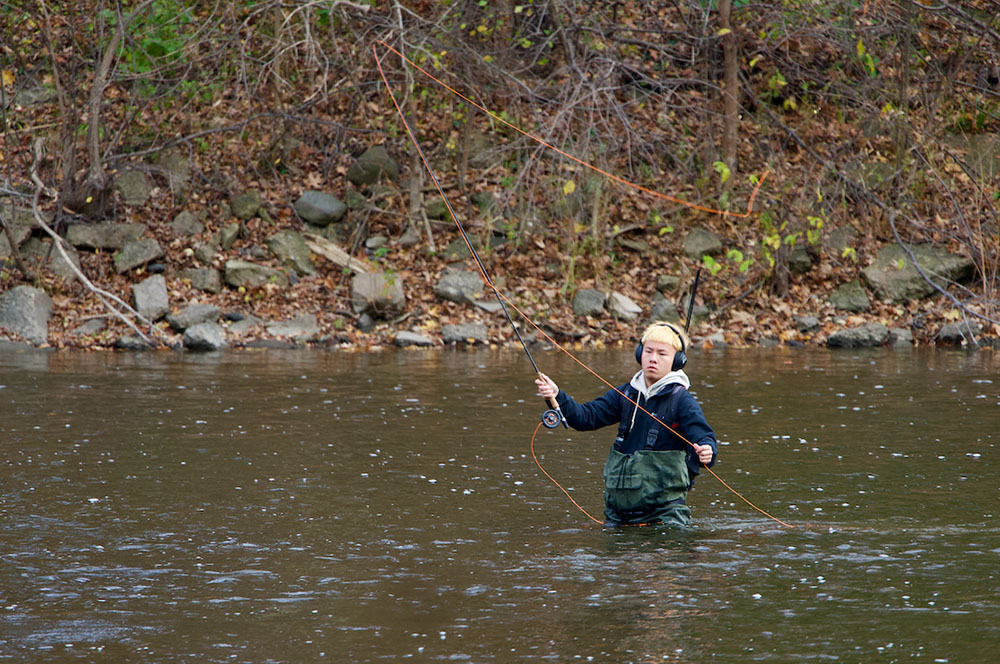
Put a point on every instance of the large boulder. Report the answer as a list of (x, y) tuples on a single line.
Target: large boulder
[(589, 302), (251, 275), (186, 224), (41, 253), (866, 336), (319, 208), (205, 337), (204, 279), (700, 242), (136, 254), (104, 236), (462, 286), (150, 297), (134, 187), (193, 314), (377, 294), (850, 297), (245, 206), (663, 309), (465, 333), (406, 338), (622, 307), (290, 247), (19, 223), (372, 166), (893, 275), (26, 310), (301, 328)]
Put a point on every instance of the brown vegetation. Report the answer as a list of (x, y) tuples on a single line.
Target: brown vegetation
[(877, 122)]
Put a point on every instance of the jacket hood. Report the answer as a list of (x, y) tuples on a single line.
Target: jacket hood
[(672, 378)]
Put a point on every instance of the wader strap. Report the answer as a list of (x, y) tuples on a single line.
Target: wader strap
[(626, 421)]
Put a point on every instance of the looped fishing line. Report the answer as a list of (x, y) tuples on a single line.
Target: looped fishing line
[(504, 300)]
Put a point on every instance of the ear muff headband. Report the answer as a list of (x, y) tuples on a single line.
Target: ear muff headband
[(680, 357)]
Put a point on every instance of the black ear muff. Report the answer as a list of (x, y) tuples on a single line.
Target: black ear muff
[(680, 357)]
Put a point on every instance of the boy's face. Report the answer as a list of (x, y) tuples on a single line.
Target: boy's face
[(657, 358)]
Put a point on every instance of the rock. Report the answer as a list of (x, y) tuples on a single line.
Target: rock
[(465, 333), (376, 242), (462, 286), (186, 224), (365, 323), (41, 253), (716, 340), (150, 297), (484, 200), (251, 275), (92, 327), (319, 208), (638, 246), (806, 323), (410, 237), (892, 276), (589, 302), (34, 96), (178, 169), (104, 236), (436, 208), (700, 242), (850, 297), (25, 310), (866, 336), (662, 309), (841, 238), (371, 166), (193, 314), (206, 253), (245, 326), (205, 337), (899, 336), (622, 307), (245, 206), (405, 338), (355, 200), (134, 187), (959, 334), (379, 294), (228, 236), (135, 254), (799, 260), (19, 223), (300, 328), (204, 279), (290, 247), (132, 342), (668, 283)]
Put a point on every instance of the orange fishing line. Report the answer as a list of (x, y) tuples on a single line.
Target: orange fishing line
[(542, 332)]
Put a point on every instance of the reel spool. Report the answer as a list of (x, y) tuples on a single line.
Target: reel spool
[(551, 419)]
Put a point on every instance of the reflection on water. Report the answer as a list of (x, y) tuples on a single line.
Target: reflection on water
[(310, 506)]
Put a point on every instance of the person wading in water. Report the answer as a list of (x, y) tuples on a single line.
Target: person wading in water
[(649, 469)]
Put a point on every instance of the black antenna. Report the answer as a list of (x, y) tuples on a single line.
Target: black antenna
[(694, 290)]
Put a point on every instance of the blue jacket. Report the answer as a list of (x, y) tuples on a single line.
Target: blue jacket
[(675, 407)]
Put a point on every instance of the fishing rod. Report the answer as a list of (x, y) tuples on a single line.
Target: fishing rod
[(694, 289), (552, 417)]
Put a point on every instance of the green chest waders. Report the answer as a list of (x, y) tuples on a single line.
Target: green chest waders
[(648, 486)]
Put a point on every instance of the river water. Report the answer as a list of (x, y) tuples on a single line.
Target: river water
[(309, 506)]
